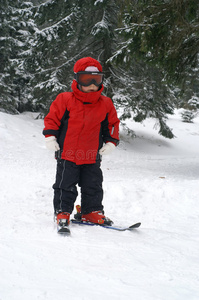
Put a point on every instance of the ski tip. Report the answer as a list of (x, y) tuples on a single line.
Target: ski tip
[(64, 231), (136, 225)]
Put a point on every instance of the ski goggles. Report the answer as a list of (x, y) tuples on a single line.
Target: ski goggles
[(87, 78)]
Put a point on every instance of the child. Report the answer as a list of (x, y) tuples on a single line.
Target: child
[(78, 124)]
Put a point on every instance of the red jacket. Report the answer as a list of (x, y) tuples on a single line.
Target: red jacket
[(82, 122)]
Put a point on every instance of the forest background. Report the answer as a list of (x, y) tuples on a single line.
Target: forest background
[(149, 51)]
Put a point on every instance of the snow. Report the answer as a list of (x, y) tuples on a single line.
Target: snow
[(148, 179)]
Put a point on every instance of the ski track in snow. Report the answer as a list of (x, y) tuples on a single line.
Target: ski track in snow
[(148, 179)]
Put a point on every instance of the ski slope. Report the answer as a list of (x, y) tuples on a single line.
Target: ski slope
[(148, 179)]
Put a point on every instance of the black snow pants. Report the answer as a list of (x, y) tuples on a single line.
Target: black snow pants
[(88, 177)]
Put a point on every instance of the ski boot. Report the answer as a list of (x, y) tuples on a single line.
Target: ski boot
[(96, 217), (78, 215), (63, 220)]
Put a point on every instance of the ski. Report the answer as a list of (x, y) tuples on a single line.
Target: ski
[(113, 227)]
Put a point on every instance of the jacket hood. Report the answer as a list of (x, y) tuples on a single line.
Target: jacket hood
[(81, 65), (85, 62)]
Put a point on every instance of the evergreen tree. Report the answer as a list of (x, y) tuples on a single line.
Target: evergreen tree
[(51, 50), (190, 109), (141, 93), (104, 37), (162, 32), (41, 41), (66, 31), (160, 40), (16, 27)]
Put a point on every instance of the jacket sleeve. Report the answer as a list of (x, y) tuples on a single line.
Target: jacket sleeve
[(52, 121), (110, 125)]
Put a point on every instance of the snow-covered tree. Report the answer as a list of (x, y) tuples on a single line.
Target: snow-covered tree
[(190, 109), (160, 40), (14, 32), (63, 32), (140, 93), (41, 40), (50, 53), (162, 32)]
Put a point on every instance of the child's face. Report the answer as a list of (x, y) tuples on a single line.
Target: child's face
[(90, 88)]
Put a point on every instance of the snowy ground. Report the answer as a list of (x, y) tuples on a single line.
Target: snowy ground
[(148, 179)]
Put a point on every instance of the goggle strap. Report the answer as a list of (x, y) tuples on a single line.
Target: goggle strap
[(86, 72)]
